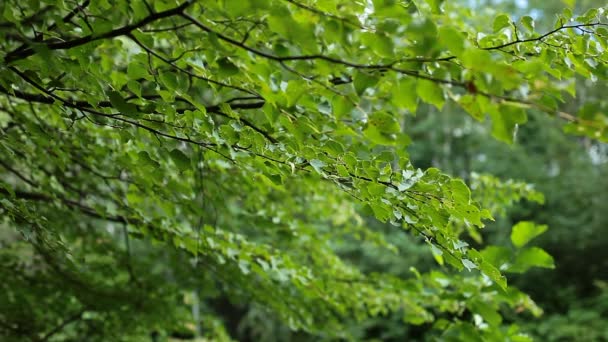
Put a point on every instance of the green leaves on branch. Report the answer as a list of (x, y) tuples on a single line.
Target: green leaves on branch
[(520, 259), (382, 128), (241, 142)]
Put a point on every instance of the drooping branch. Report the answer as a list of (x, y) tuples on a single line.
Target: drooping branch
[(85, 106)]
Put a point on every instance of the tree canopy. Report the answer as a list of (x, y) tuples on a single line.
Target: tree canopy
[(166, 160)]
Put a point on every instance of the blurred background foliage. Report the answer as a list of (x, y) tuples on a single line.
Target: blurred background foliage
[(570, 171)]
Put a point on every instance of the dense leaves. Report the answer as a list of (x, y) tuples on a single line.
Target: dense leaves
[(238, 142)]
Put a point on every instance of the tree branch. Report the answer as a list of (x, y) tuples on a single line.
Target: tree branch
[(75, 317), (215, 109), (24, 53), (543, 36)]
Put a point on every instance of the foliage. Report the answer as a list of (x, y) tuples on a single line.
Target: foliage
[(570, 172), (585, 321), (162, 157)]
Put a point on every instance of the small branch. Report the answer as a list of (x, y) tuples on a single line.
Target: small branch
[(116, 116), (75, 317), (18, 174), (380, 67), (329, 15), (543, 36), (69, 16), (29, 20), (187, 72), (215, 109), (165, 29)]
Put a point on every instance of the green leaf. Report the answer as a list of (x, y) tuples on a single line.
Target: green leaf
[(500, 22), (505, 121), (404, 94), (494, 274), (382, 128), (460, 191), (180, 159), (169, 80), (437, 254), (380, 4), (295, 90), (525, 231), (145, 160), (430, 92), (380, 212), (237, 8), (226, 67), (435, 5), (498, 256), (468, 264), (470, 104), (532, 257), (488, 260), (120, 104), (527, 22), (452, 39), (362, 81), (341, 106), (139, 9), (317, 165), (134, 87), (136, 71), (486, 311), (477, 59)]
